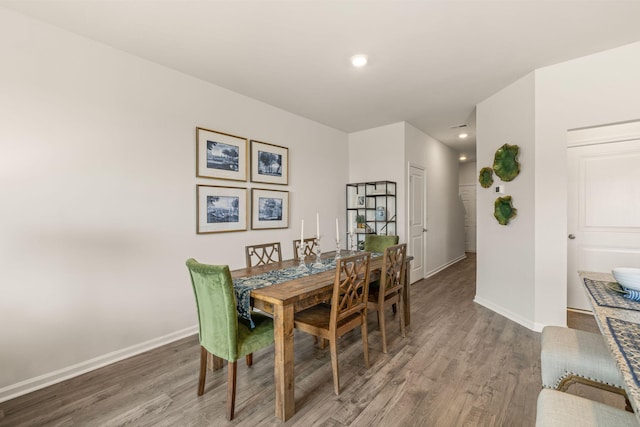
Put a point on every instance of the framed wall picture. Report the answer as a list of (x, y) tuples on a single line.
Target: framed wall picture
[(220, 155), (269, 163), (269, 209), (221, 209)]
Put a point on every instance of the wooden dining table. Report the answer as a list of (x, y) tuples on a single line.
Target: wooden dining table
[(619, 321), (285, 299)]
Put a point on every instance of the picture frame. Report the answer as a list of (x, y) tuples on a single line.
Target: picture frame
[(220, 155), (360, 201), (269, 209), (221, 209), (269, 163)]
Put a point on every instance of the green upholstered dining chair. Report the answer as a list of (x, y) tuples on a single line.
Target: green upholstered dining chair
[(375, 243), (222, 334)]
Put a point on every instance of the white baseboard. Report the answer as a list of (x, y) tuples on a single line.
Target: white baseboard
[(33, 384), (527, 323), (442, 267)]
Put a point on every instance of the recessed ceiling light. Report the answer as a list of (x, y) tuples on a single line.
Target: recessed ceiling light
[(462, 135), (463, 158), (359, 60)]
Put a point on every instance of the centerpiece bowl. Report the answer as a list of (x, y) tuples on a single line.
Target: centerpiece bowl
[(627, 277)]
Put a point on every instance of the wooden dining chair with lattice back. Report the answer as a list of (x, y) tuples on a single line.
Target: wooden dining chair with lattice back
[(309, 247), (390, 288), (266, 253), (347, 311), (221, 332)]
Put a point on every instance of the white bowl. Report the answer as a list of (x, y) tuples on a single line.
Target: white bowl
[(627, 277)]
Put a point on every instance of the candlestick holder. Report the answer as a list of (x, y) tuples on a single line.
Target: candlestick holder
[(353, 243), (302, 268), (338, 248), (318, 250)]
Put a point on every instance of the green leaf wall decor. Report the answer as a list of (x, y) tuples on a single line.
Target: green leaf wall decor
[(505, 162), (486, 177), (504, 210)]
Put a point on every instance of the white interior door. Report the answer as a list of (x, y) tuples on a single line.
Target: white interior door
[(417, 222), (468, 196), (604, 208)]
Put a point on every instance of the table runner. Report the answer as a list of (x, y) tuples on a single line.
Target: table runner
[(605, 297), (627, 338), (244, 285)]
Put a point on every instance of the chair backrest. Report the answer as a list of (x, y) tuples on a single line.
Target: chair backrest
[(393, 270), (216, 302), (309, 248), (266, 253), (376, 243), (351, 287)]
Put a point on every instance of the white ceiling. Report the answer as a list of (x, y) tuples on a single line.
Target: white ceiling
[(430, 62)]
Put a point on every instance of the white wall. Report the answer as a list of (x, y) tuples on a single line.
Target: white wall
[(98, 198), (445, 213), (591, 91), (384, 153), (467, 173), (595, 90), (505, 260), (468, 179), (378, 155)]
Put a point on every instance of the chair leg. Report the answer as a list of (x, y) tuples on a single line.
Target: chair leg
[(323, 343), (333, 345), (249, 359), (218, 363), (203, 370), (383, 327), (231, 388), (365, 340), (402, 326)]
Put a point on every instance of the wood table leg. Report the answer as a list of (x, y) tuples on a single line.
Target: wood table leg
[(406, 297), (283, 364)]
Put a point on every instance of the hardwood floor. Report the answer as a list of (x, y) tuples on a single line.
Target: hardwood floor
[(461, 364)]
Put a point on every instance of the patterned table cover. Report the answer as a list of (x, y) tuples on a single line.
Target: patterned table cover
[(627, 338), (606, 297), (621, 330)]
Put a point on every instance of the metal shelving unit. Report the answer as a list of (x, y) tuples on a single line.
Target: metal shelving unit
[(376, 202)]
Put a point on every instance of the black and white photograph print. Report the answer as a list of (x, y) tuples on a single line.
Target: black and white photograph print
[(269, 163), (269, 209), (221, 155), (221, 209)]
